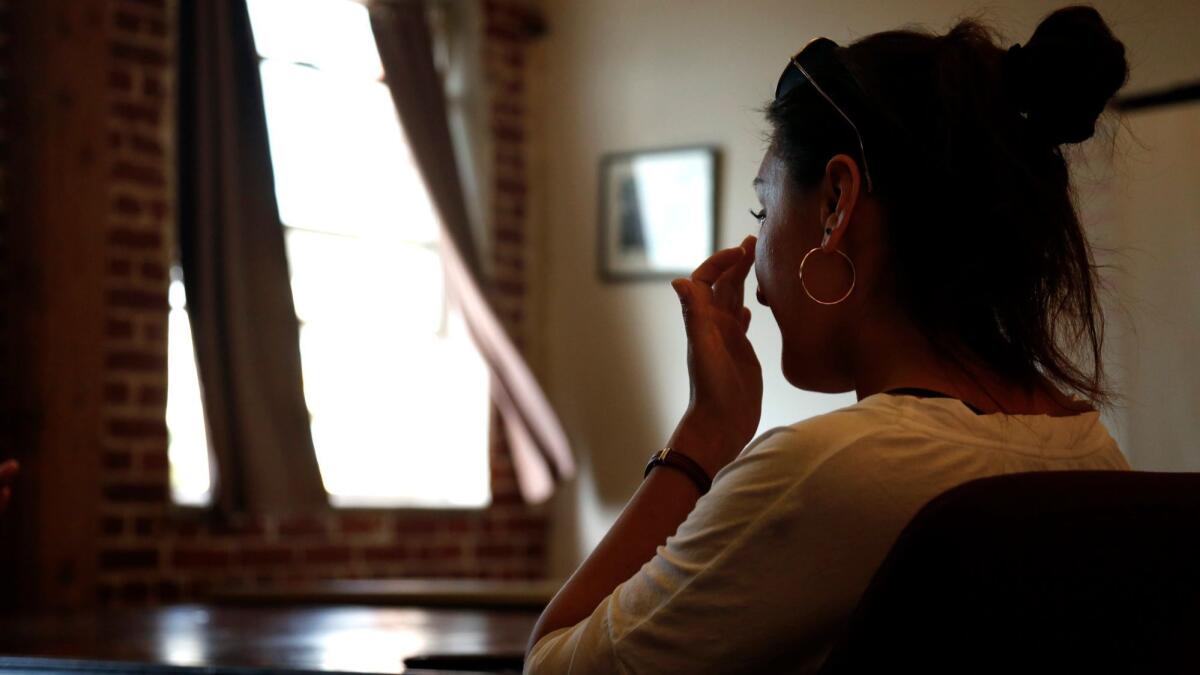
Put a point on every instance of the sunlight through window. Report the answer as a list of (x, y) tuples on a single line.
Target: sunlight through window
[(397, 393)]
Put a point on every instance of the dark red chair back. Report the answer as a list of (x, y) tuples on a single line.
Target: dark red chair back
[(1065, 571)]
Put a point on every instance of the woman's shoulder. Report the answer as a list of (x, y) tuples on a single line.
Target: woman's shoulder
[(889, 444), (792, 453)]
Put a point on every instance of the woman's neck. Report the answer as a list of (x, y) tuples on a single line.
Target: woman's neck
[(889, 352)]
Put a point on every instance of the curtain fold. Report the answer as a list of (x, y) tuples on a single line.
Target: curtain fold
[(540, 451), (239, 298)]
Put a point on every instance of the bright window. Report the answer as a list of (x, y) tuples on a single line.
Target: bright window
[(397, 393)]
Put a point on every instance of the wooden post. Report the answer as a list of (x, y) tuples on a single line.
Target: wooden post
[(57, 197)]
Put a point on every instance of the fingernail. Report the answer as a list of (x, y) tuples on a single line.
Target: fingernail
[(681, 289)]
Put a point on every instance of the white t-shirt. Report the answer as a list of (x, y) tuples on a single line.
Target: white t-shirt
[(767, 567)]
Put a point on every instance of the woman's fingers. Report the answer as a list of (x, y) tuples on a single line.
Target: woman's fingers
[(730, 287), (710, 270), (744, 317)]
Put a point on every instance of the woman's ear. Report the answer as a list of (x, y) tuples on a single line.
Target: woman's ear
[(841, 188)]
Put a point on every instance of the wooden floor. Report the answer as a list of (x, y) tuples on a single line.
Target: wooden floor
[(364, 639)]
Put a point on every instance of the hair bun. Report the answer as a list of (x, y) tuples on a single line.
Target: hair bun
[(1062, 78)]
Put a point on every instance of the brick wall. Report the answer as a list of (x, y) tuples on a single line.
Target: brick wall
[(151, 551), (6, 355)]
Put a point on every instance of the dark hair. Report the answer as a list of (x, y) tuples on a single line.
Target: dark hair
[(963, 144)]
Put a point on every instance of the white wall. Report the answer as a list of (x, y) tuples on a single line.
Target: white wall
[(1156, 325), (627, 74)]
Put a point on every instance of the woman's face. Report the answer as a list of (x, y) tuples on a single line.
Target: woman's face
[(792, 220)]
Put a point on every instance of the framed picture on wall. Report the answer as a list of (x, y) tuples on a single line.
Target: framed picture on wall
[(657, 212)]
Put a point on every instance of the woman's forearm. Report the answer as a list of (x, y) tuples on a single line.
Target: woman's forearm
[(661, 503)]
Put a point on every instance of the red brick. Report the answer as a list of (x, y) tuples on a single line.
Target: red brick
[(116, 460), (507, 498), (125, 238), (190, 558), (509, 286), (143, 526), (511, 108), (127, 22), (508, 132), (126, 205), (359, 523), (158, 209), (146, 145), (135, 592), (141, 493), (152, 87), (459, 525), (111, 526), (138, 428), (120, 79), (136, 112), (149, 176), (327, 555), (511, 317), (509, 235), (135, 361), (240, 526), (116, 392), (136, 299), (137, 54), (156, 460), (118, 329), (410, 525), (295, 526), (119, 268), (129, 559), (495, 550), (265, 556), (509, 263), (168, 591), (155, 331), (394, 553), (510, 186), (154, 4), (152, 395), (154, 271)]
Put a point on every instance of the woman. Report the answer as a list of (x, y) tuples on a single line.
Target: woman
[(918, 245)]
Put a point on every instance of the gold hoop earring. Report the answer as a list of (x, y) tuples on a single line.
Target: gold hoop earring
[(853, 277)]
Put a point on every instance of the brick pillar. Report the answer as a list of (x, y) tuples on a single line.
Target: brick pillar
[(134, 479)]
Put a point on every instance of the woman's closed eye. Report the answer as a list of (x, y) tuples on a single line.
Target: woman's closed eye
[(759, 215)]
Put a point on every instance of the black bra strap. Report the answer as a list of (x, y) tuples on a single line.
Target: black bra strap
[(929, 393)]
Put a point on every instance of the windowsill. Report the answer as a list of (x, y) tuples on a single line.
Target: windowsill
[(194, 512), (476, 593)]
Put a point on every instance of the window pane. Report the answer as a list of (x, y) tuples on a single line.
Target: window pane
[(328, 34), (398, 400), (187, 449), (380, 285), (341, 161), (398, 418)]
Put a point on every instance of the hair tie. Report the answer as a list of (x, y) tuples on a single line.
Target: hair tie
[(1015, 64)]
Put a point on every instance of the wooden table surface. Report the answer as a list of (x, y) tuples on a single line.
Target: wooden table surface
[(367, 639)]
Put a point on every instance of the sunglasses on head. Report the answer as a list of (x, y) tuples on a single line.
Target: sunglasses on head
[(819, 65)]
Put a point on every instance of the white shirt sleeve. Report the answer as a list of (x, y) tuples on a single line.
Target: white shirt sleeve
[(760, 565), (767, 567)]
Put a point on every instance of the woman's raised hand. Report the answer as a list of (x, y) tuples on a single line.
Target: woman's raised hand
[(726, 378)]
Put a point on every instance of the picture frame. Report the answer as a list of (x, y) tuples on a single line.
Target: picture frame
[(658, 212)]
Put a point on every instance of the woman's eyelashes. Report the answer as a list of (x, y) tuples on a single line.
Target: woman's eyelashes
[(759, 215)]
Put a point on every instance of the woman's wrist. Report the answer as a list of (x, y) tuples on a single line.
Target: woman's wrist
[(704, 441)]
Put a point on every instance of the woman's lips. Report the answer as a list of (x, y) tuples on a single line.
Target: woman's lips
[(761, 300)]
